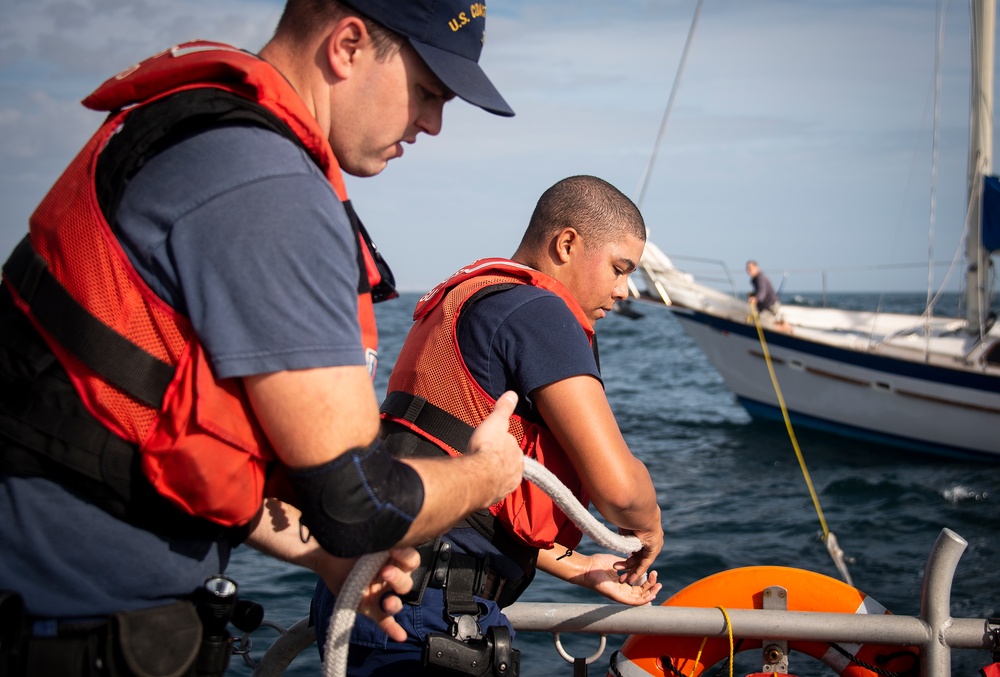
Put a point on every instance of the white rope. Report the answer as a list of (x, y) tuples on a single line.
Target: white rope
[(345, 611), (540, 476)]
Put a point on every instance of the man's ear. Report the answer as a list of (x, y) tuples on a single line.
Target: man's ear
[(566, 241), (343, 44)]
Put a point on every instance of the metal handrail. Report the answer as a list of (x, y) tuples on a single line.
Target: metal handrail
[(934, 631)]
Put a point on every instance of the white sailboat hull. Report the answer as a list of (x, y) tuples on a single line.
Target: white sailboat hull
[(920, 382), (914, 404)]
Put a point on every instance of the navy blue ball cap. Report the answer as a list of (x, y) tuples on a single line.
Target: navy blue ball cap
[(448, 35)]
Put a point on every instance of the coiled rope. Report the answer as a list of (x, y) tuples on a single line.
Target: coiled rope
[(828, 536), (345, 610)]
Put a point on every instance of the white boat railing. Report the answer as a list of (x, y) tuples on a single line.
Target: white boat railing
[(716, 274), (934, 631)]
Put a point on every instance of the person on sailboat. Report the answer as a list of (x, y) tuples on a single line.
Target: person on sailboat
[(192, 313), (765, 298), (525, 324)]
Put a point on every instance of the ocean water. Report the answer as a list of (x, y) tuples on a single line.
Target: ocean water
[(732, 494)]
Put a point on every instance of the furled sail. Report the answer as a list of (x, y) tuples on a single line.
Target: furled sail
[(991, 213)]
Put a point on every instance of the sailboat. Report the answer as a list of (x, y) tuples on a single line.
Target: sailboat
[(919, 382)]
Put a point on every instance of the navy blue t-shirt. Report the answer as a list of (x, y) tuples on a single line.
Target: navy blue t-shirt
[(522, 339), (241, 232)]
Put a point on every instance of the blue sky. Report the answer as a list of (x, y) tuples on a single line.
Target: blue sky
[(801, 134)]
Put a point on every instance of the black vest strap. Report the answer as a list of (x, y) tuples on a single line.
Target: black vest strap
[(108, 353), (453, 431), (155, 127), (45, 431), (403, 443), (87, 448)]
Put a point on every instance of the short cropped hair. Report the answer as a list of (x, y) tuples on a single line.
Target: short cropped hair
[(301, 18), (595, 208)]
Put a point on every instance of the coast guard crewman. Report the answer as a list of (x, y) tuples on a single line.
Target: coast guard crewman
[(526, 325), (192, 312)]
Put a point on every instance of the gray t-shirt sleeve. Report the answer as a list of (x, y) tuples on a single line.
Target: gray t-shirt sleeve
[(238, 230)]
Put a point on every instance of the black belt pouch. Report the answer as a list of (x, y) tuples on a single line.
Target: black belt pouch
[(159, 642)]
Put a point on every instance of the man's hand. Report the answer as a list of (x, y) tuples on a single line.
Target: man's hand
[(602, 576), (577, 412), (600, 573), (496, 451), (380, 601), (639, 562), (455, 487), (275, 533)]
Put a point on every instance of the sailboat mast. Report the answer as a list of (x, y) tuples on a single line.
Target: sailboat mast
[(983, 17)]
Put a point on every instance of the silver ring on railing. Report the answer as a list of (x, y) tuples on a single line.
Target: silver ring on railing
[(570, 659)]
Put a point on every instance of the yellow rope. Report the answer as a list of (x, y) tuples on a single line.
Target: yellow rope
[(729, 629), (698, 657), (704, 640), (788, 422)]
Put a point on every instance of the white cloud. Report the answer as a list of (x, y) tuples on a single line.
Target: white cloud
[(61, 51), (96, 38), (800, 134)]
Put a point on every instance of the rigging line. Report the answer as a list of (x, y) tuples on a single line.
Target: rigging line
[(959, 248), (942, 6), (644, 181), (843, 269), (828, 536), (930, 102)]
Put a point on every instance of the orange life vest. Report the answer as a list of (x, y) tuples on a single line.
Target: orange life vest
[(430, 366), (201, 447)]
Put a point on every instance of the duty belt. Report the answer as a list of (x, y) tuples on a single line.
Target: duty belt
[(186, 638), (462, 577), (146, 643)]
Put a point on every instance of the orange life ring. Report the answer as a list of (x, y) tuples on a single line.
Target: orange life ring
[(644, 655)]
